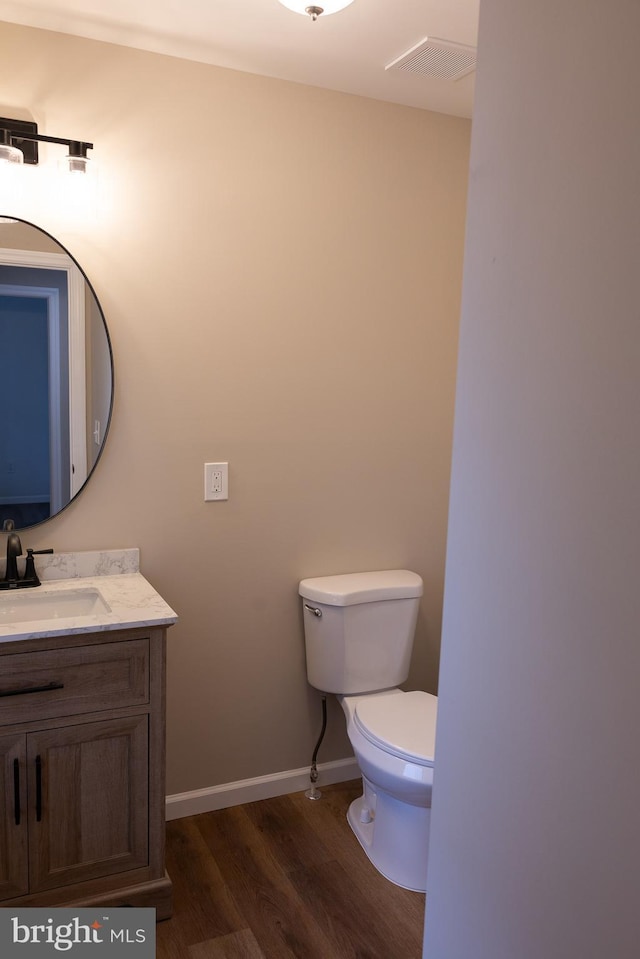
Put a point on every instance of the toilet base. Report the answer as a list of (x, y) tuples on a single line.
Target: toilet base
[(394, 835)]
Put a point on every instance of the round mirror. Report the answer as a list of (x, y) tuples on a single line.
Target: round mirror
[(56, 379)]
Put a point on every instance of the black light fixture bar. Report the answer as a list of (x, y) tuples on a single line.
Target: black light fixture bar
[(24, 134)]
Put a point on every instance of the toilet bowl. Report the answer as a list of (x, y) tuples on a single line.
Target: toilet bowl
[(359, 631), (393, 738)]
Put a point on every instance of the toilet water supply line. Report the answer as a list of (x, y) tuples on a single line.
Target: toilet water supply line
[(312, 792)]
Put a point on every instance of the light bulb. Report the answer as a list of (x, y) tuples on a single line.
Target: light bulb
[(77, 164), (10, 154)]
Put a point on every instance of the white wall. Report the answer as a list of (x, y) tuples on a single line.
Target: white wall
[(535, 850)]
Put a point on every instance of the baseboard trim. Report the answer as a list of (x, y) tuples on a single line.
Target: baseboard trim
[(262, 787)]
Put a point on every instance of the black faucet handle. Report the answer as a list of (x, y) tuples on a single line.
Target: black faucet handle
[(30, 575)]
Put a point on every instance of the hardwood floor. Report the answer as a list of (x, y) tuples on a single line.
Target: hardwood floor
[(283, 878)]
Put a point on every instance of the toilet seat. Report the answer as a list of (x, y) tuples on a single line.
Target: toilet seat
[(403, 725)]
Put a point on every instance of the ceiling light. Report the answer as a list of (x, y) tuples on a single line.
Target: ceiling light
[(322, 7), (19, 144)]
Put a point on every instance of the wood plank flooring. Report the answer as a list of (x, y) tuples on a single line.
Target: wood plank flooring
[(283, 878)]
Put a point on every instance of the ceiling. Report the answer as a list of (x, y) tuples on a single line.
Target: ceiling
[(346, 51)]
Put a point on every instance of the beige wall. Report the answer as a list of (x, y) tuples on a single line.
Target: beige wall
[(280, 268), (20, 236)]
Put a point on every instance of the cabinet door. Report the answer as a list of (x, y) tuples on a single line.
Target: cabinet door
[(88, 801), (13, 816)]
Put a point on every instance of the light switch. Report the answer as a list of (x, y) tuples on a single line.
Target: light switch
[(216, 481)]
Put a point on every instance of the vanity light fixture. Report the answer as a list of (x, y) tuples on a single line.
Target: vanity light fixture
[(315, 10), (19, 144)]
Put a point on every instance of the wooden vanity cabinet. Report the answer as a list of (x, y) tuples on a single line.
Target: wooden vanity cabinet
[(82, 787)]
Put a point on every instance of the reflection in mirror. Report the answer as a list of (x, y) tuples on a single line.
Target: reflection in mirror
[(56, 387)]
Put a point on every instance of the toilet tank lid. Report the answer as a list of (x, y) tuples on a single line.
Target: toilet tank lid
[(349, 589)]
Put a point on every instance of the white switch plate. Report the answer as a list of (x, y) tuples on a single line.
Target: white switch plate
[(216, 481)]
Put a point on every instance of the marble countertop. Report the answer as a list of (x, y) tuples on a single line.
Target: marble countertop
[(131, 599)]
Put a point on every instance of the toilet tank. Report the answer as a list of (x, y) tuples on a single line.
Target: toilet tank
[(359, 629)]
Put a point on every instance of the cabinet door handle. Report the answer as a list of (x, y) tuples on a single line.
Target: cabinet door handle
[(38, 789), (48, 687), (16, 791)]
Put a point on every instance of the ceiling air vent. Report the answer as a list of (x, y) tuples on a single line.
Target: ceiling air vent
[(432, 57)]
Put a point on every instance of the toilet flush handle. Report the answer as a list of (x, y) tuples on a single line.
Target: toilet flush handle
[(313, 609)]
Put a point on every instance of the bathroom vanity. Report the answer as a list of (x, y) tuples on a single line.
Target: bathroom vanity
[(82, 736)]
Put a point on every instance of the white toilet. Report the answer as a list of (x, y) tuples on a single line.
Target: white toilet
[(359, 630)]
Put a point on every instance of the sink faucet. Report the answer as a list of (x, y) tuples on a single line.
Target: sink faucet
[(14, 549), (11, 579)]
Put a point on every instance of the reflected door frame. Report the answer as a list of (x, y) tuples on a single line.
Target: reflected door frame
[(57, 468), (31, 259)]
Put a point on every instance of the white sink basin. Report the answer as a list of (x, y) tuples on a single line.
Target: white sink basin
[(26, 606)]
